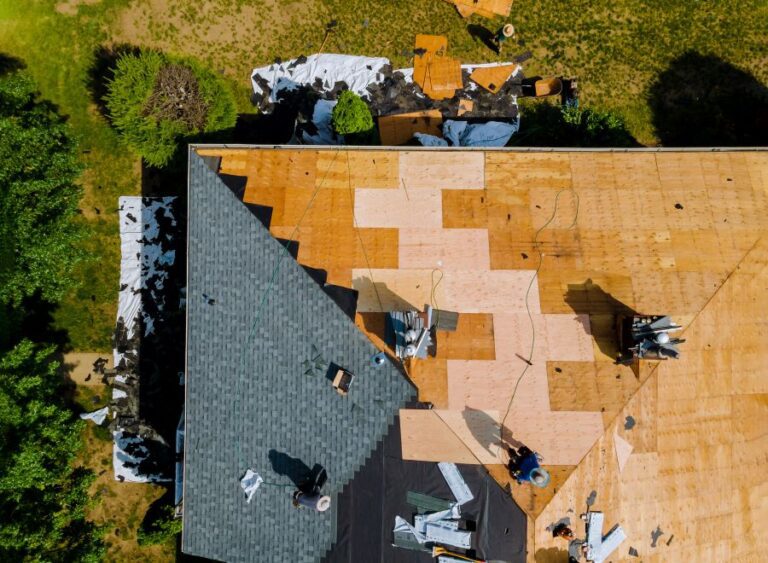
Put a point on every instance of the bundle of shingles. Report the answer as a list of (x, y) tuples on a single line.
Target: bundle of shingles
[(486, 8)]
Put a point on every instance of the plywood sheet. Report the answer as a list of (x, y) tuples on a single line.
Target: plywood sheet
[(400, 128), (425, 437), (447, 249), (443, 170), (478, 430), (398, 290), (494, 77), (490, 292), (403, 208)]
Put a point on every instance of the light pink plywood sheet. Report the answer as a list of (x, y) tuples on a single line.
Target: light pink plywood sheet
[(561, 437), (569, 338), (491, 291), (442, 170), (399, 208), (447, 249), (489, 385), (398, 290)]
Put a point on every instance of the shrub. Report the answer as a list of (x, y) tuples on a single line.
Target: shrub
[(351, 115), (165, 528), (155, 102), (543, 124)]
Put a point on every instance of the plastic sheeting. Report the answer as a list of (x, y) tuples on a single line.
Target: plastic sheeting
[(357, 72), (98, 416)]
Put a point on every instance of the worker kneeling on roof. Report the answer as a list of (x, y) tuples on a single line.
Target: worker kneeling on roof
[(524, 466)]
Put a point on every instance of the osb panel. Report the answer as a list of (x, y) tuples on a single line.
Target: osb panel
[(447, 249), (430, 376), (425, 437), (492, 78), (357, 169), (473, 339), (444, 170), (400, 128), (402, 208), (527, 170), (279, 169), (591, 386)]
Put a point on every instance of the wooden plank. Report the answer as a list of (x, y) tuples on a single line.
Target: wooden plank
[(494, 77), (442, 170), (400, 128), (425, 437)]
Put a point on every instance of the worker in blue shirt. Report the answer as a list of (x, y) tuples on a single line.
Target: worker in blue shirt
[(524, 466)]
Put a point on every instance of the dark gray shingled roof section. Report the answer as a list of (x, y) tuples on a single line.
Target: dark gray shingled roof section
[(247, 395)]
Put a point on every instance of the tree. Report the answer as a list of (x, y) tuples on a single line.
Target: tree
[(43, 498), (351, 115), (156, 101), (38, 195), (546, 125)]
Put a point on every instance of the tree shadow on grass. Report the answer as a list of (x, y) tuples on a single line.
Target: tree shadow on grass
[(704, 101), (101, 71)]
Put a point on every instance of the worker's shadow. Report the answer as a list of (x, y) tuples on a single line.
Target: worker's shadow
[(306, 480), (484, 35)]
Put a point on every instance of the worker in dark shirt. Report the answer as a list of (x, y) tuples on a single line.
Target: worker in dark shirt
[(524, 466)]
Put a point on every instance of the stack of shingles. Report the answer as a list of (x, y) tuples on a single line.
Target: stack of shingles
[(485, 8)]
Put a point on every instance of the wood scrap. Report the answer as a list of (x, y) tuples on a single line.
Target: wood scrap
[(492, 78)]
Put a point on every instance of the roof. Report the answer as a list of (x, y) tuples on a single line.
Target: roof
[(261, 334), (675, 232)]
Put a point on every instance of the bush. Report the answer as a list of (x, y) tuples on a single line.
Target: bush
[(164, 529), (351, 115), (155, 102), (546, 125), (38, 195)]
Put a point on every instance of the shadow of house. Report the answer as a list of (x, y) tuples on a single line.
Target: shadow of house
[(702, 100), (589, 298)]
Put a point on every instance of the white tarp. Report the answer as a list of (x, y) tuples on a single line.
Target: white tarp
[(357, 72), (250, 483), (321, 117), (98, 416), (143, 270)]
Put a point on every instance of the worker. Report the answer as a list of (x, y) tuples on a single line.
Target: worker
[(524, 466), (507, 31)]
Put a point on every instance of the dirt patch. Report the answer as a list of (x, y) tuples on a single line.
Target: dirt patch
[(232, 37), (69, 7), (83, 368)]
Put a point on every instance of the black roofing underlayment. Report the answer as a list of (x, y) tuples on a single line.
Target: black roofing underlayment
[(251, 401), (370, 502)]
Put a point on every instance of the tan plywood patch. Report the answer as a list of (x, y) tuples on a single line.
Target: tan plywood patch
[(494, 77), (425, 437), (473, 339), (402, 208), (400, 128), (447, 249), (442, 170)]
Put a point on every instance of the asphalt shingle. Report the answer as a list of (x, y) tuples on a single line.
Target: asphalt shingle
[(248, 393)]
